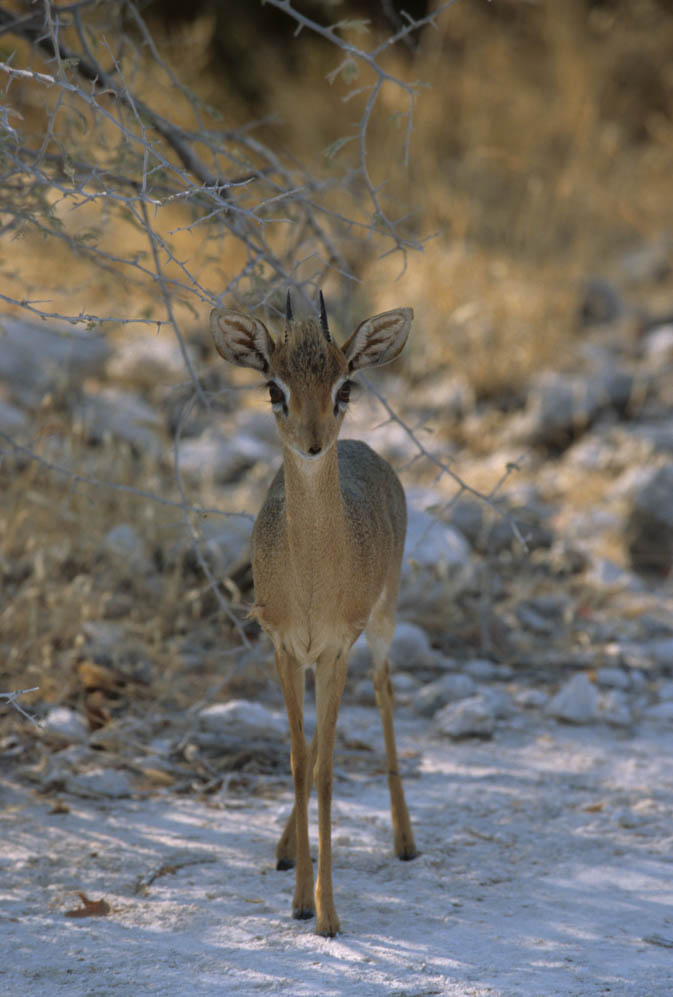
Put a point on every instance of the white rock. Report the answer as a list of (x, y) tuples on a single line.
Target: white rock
[(244, 719), (67, 722), (104, 635), (630, 819), (472, 717), (448, 689), (125, 544), (364, 692), (533, 699), (613, 678), (604, 573), (576, 702), (662, 652), (615, 709), (437, 565), (227, 541), (481, 669), (561, 406), (410, 647), (148, 360), (222, 456), (403, 683), (13, 420), (35, 359), (591, 453), (121, 414), (658, 345), (404, 688), (500, 702), (100, 782), (360, 658), (665, 689), (252, 422), (662, 712), (432, 545)]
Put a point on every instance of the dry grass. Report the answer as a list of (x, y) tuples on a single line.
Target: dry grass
[(535, 160), (542, 149)]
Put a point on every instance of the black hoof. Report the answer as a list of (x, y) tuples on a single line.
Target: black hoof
[(408, 856), (303, 913), (283, 864)]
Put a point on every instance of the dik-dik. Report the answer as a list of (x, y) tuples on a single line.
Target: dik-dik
[(326, 559)]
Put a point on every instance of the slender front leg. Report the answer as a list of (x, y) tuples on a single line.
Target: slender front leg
[(286, 849), (291, 676), (403, 836), (330, 679)]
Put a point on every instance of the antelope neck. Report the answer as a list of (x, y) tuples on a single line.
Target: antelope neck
[(313, 503)]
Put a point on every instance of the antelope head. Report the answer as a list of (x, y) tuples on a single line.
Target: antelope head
[(308, 374)]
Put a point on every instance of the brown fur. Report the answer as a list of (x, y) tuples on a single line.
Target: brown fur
[(326, 552)]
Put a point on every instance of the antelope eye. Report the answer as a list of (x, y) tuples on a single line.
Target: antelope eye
[(344, 392), (276, 395)]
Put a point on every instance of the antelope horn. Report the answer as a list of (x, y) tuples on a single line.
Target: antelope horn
[(288, 313), (323, 319)]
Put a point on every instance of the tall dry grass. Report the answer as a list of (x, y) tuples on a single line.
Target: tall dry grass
[(542, 150)]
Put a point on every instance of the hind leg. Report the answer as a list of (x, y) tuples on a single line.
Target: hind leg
[(379, 633)]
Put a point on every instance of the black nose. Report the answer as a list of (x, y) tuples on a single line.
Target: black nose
[(314, 450)]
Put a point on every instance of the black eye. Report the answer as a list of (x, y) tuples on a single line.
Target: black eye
[(276, 394), (343, 395)]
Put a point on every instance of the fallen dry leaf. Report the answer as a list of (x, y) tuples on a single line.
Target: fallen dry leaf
[(95, 676), (89, 908), (158, 776)]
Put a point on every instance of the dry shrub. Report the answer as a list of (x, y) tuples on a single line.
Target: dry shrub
[(541, 150)]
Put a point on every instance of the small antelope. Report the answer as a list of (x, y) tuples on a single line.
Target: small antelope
[(326, 559)]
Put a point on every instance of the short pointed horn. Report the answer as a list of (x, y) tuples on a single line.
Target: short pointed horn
[(323, 319), (288, 313)]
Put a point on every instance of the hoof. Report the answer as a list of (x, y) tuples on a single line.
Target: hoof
[(408, 854), (302, 913), (328, 929), (283, 864)]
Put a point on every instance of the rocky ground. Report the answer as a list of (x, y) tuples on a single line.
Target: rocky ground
[(533, 674)]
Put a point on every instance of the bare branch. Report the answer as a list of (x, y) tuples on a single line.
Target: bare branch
[(196, 537), (116, 486), (95, 146), (444, 469), (12, 699)]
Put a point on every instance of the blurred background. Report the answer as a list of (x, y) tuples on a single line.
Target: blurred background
[(504, 168)]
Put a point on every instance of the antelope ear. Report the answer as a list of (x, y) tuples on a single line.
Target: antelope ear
[(379, 339), (241, 339)]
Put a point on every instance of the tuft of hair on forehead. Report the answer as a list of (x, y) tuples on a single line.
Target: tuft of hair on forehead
[(307, 352)]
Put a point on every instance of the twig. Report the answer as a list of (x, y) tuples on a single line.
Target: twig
[(116, 486), (168, 304), (12, 697), (102, 82), (196, 539), (488, 498)]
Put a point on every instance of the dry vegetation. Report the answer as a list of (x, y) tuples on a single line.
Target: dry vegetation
[(543, 148)]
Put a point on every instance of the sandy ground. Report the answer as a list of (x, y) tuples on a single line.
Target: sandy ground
[(546, 869)]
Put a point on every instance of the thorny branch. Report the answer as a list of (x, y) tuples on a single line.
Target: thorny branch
[(32, 29), (76, 478), (196, 537), (354, 56), (12, 699), (444, 469), (102, 146)]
